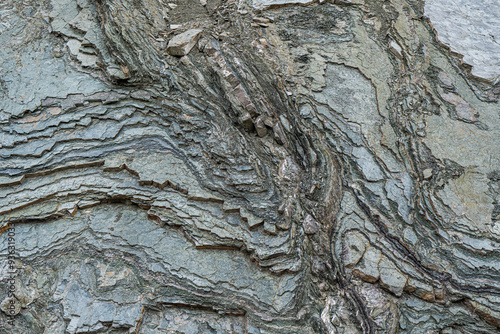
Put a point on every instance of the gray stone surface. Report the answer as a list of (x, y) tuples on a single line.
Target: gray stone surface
[(472, 29), (303, 167)]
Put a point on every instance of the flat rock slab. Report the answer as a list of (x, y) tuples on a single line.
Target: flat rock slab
[(181, 44), (472, 29)]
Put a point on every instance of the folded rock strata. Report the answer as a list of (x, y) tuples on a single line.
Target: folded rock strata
[(282, 167)]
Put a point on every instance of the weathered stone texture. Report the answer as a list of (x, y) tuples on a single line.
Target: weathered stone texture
[(250, 166), (471, 29)]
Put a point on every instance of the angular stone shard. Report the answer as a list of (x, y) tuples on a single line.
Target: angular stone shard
[(390, 277), (181, 44), (311, 226), (270, 228), (355, 245), (396, 49), (260, 127), (367, 268)]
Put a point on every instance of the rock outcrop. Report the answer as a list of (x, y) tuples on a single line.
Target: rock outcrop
[(249, 166)]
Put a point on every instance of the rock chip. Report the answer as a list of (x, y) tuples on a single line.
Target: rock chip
[(427, 173), (390, 277), (367, 269), (117, 73), (311, 226), (269, 228), (181, 44), (396, 49), (260, 127), (354, 247)]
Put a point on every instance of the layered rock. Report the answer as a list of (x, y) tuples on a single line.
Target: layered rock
[(282, 167)]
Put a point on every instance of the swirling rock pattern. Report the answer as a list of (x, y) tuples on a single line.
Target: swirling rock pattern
[(305, 167)]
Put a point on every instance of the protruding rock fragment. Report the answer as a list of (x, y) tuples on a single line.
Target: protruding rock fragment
[(367, 269), (396, 49), (260, 127), (87, 60), (251, 219), (427, 173), (117, 73), (87, 204), (228, 207), (278, 134), (246, 121), (254, 221), (270, 228), (354, 247), (311, 226), (74, 46), (181, 44), (420, 289), (390, 277), (261, 20)]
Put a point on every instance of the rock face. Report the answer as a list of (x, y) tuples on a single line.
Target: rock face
[(300, 167), (472, 29)]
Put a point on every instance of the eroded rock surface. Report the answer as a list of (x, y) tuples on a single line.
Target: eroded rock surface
[(283, 167), (471, 29)]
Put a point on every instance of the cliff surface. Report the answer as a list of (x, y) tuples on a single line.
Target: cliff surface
[(251, 166)]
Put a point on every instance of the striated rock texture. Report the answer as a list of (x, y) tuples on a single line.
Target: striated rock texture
[(284, 167)]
